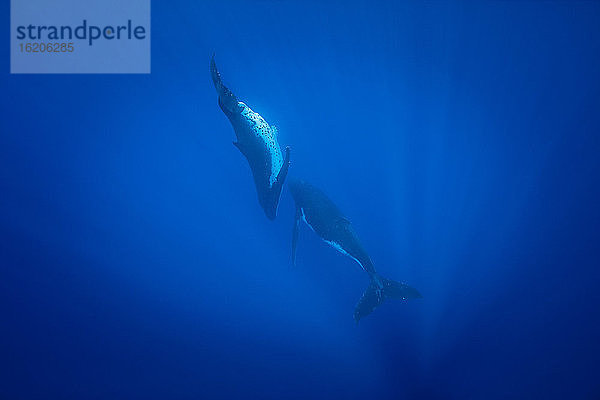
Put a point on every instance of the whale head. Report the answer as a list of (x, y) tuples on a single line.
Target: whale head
[(297, 187)]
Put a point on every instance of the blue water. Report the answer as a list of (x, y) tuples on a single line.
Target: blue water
[(461, 139)]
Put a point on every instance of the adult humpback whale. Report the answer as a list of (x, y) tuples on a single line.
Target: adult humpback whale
[(257, 141), (323, 216)]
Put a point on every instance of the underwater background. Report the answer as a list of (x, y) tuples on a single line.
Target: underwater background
[(461, 139)]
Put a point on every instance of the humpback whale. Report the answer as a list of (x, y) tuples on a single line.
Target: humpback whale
[(328, 222), (257, 141)]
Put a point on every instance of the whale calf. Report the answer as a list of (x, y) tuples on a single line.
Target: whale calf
[(328, 222), (257, 141)]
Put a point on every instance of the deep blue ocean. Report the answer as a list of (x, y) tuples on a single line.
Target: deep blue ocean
[(461, 139)]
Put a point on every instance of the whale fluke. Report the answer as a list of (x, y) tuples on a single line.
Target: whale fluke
[(380, 290)]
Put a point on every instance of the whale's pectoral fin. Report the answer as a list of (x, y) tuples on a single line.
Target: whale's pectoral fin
[(227, 100), (380, 290), (284, 168), (295, 232), (275, 190), (277, 185)]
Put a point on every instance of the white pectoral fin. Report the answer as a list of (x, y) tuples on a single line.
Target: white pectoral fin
[(278, 183)]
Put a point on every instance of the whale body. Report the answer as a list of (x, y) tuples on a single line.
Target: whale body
[(257, 141), (333, 227)]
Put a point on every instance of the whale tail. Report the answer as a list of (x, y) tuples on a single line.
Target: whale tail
[(379, 290)]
